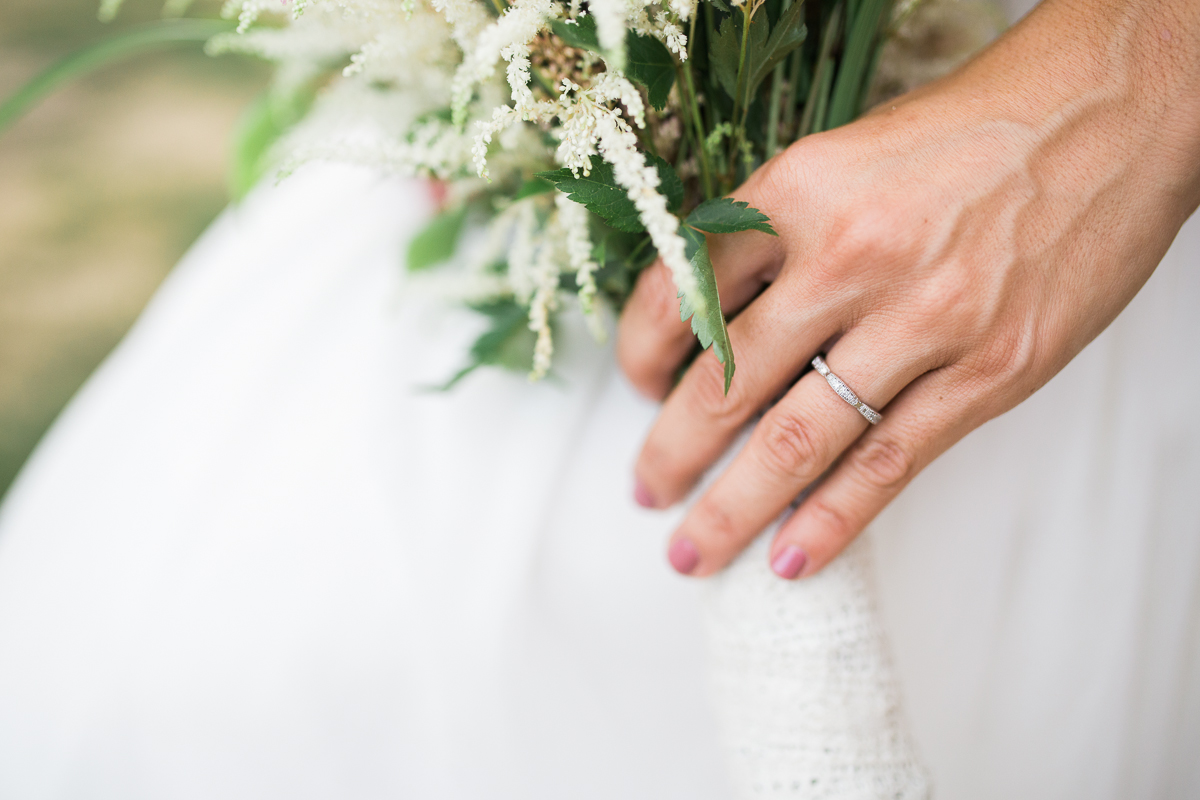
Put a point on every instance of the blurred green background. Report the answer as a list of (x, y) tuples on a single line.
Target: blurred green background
[(102, 188)]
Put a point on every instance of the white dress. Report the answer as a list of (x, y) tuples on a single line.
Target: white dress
[(254, 559)]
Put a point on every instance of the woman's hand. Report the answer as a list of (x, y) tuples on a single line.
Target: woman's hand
[(950, 253)]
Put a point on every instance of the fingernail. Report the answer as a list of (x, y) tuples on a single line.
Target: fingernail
[(789, 561), (642, 496), (683, 556)]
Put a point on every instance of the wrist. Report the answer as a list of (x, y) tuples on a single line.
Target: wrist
[(1116, 80)]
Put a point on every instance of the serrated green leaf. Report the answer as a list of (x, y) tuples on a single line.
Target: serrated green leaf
[(787, 34), (651, 64), (669, 183), (601, 194), (766, 46), (708, 323), (726, 215), (723, 53), (507, 342), (438, 240), (579, 33)]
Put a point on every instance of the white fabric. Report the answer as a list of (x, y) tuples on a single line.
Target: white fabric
[(255, 560), (252, 561), (804, 685)]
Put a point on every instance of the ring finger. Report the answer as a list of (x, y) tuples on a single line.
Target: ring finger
[(796, 441)]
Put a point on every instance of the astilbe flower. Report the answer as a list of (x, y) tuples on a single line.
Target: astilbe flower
[(427, 50)]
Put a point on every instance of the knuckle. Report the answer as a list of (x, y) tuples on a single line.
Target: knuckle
[(792, 445), (1010, 357), (706, 380), (885, 464), (646, 380), (855, 240), (862, 241), (716, 527), (641, 370), (662, 303), (833, 522), (947, 300)]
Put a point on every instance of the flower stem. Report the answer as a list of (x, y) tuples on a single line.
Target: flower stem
[(822, 77), (698, 133), (776, 98), (739, 131)]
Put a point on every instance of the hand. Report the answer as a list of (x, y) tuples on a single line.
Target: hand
[(950, 253)]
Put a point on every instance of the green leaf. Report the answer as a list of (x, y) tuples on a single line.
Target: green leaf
[(506, 343), (601, 194), (724, 51), (580, 33), (788, 33), (438, 240), (651, 64), (862, 35), (262, 125), (726, 215), (708, 323), (669, 183)]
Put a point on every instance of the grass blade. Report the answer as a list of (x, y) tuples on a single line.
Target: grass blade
[(146, 38)]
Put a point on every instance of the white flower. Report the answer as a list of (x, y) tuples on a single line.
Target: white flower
[(517, 56), (517, 26), (610, 16), (543, 305), (523, 251), (466, 17), (573, 219), (618, 146)]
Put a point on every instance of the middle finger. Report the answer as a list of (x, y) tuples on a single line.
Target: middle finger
[(699, 421), (792, 446)]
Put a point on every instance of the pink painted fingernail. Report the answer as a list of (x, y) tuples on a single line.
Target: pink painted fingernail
[(642, 496), (683, 556), (788, 563)]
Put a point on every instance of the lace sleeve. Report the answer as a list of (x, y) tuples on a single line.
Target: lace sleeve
[(804, 685)]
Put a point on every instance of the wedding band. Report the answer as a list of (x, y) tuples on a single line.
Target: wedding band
[(844, 392)]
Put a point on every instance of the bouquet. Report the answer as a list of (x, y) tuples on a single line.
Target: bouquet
[(585, 138)]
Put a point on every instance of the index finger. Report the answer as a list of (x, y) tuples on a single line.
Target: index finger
[(773, 339)]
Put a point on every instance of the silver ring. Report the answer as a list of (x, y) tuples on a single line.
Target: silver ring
[(844, 392)]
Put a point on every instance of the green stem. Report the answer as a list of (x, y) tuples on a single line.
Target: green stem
[(876, 55), (822, 77), (776, 98), (817, 123), (789, 105), (138, 40), (697, 128), (861, 35), (637, 251), (742, 77)]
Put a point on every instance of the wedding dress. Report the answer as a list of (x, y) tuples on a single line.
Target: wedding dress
[(257, 558)]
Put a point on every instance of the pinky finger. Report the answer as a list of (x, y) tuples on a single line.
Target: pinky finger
[(918, 426)]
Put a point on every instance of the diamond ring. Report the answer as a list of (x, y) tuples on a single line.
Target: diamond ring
[(844, 392)]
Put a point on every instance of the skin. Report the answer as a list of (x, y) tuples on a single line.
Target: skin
[(950, 253)]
